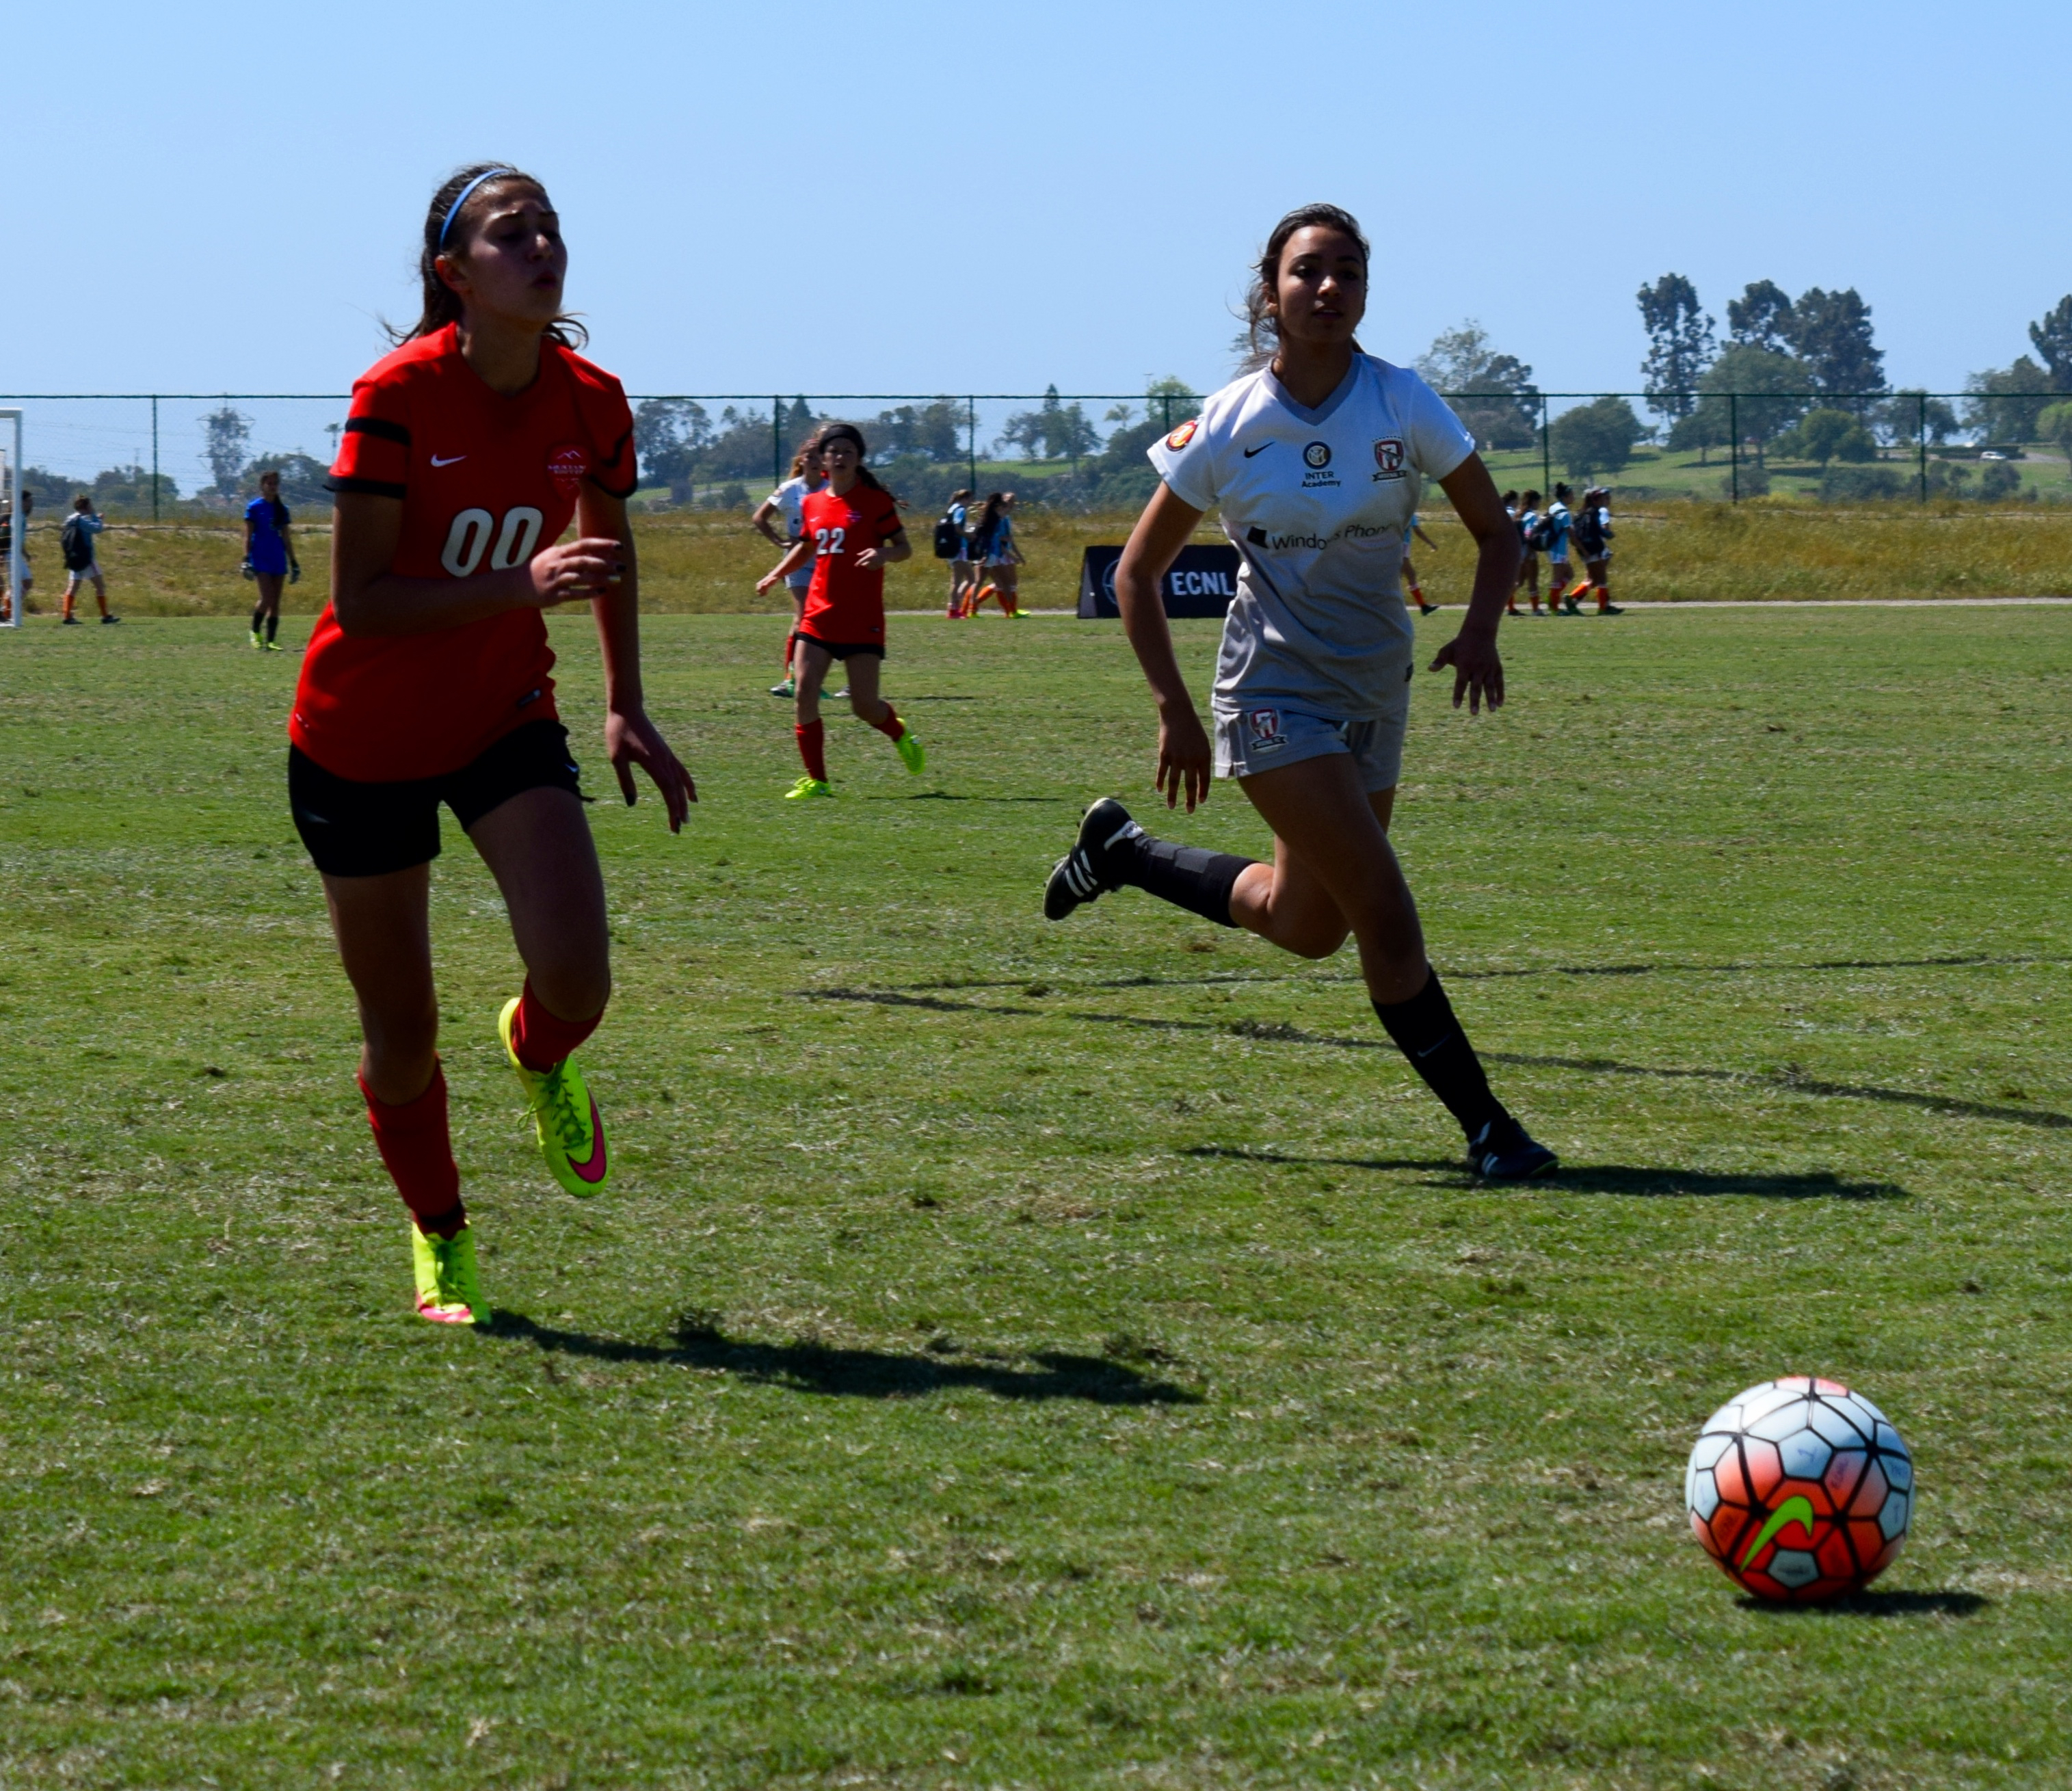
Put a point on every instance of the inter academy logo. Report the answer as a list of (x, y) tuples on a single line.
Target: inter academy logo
[(1317, 453), (1180, 436), (566, 466)]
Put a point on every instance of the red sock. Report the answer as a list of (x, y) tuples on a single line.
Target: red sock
[(415, 1149), (891, 727), (542, 1039), (813, 749)]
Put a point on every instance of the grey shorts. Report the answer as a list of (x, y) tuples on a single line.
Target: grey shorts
[(1264, 738)]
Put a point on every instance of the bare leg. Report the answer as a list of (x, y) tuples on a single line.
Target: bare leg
[(1334, 873), (863, 698), (810, 665), (538, 846), (383, 928)]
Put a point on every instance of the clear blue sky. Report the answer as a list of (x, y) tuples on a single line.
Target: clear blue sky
[(923, 197)]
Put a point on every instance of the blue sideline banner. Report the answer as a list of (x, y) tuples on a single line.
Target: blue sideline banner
[(1201, 583)]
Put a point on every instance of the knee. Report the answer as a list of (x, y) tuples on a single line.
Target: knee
[(1316, 940)]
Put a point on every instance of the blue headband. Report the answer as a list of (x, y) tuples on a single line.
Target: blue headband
[(453, 211)]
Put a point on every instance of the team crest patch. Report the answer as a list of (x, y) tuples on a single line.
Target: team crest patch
[(1264, 725), (1180, 436), (1388, 457), (1317, 453), (566, 466)]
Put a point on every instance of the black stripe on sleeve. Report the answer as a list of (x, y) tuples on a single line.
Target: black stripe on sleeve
[(619, 449), (365, 487), (377, 426), (625, 490)]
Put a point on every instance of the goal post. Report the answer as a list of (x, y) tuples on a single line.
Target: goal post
[(18, 524)]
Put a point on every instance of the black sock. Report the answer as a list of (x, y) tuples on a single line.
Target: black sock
[(1426, 1033), (1188, 876), (273, 623), (258, 616)]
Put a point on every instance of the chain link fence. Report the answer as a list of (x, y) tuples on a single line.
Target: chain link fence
[(188, 457)]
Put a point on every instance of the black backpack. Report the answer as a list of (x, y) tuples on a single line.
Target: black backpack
[(1590, 532), (75, 544), (949, 540)]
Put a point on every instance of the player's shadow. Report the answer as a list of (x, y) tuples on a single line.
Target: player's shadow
[(810, 1367), (1278, 1032), (1599, 1178), (1874, 1601)]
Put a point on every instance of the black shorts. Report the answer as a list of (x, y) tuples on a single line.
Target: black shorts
[(843, 650), (354, 829)]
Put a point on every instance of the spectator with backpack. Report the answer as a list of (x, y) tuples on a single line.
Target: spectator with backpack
[(1559, 522), (76, 544), (1593, 535), (953, 544), (992, 544), (1531, 539)]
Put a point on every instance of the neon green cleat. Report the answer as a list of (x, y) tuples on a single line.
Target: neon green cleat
[(565, 1118), (257, 644), (449, 1288), (910, 752), (807, 788)]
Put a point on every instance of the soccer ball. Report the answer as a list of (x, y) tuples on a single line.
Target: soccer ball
[(1800, 1489)]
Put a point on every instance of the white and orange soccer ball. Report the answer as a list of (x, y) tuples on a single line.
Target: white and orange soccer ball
[(1800, 1489)]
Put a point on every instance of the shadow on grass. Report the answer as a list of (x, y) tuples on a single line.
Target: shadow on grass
[(813, 1367), (1793, 1080), (1872, 1602), (1597, 1178)]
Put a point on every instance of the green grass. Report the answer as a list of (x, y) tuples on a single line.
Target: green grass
[(1029, 1356), (1657, 473)]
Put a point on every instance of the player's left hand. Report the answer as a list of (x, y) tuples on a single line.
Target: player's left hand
[(631, 739), (869, 559), (1478, 671)]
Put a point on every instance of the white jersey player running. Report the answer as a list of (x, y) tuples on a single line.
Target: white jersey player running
[(1313, 462)]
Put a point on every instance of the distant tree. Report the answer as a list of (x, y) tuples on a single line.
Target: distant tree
[(1169, 402), (1998, 479), (1769, 384), (126, 488), (1762, 318), (2054, 426), (302, 478), (1679, 345), (2005, 402), (224, 434), (1464, 365), (1826, 435), (1830, 334), (934, 431), (1903, 416), (1058, 431), (670, 434), (2052, 339), (1595, 438), (1122, 416)]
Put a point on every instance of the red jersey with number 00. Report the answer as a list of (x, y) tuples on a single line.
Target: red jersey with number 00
[(846, 603), (486, 483)]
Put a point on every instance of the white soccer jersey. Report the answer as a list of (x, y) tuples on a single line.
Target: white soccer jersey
[(791, 498), (1317, 502)]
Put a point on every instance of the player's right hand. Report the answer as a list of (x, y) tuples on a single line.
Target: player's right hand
[(1184, 759), (575, 569)]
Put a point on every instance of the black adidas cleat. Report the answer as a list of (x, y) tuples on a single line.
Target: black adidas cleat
[(1502, 1152), (1080, 875)]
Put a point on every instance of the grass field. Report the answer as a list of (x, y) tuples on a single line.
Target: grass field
[(1667, 552), (1017, 1355)]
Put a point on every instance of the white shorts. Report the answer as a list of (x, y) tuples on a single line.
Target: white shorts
[(1251, 739), (800, 582), (93, 572)]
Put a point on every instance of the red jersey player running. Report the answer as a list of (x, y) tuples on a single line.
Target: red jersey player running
[(851, 533), (467, 452)]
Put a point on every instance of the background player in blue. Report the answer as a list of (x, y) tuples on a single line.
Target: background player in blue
[(1313, 460), (268, 557)]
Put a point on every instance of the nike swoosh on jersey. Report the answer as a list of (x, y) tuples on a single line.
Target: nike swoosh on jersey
[(1248, 452), (448, 461)]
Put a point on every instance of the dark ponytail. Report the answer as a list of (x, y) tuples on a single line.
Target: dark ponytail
[(1261, 329), (461, 196)]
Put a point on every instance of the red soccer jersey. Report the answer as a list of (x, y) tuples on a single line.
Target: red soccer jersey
[(846, 603), (487, 483)]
